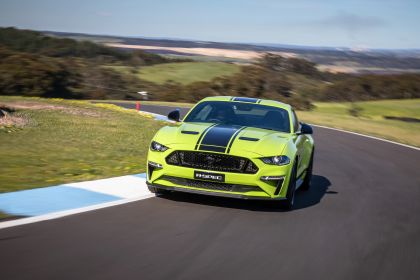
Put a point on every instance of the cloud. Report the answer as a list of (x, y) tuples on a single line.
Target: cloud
[(350, 22)]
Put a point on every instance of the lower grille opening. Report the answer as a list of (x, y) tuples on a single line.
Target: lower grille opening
[(210, 185)]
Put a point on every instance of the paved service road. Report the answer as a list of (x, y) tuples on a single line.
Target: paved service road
[(360, 220)]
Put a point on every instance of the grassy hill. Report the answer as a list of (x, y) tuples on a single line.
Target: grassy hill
[(183, 72)]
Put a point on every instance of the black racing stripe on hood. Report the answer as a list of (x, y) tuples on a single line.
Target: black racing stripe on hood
[(219, 135), (234, 137), (202, 134)]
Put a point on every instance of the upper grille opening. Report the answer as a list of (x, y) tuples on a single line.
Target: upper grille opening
[(212, 161)]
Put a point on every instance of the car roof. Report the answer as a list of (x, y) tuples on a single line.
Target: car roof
[(249, 100)]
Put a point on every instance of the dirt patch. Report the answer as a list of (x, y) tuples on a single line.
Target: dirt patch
[(31, 105), (10, 119)]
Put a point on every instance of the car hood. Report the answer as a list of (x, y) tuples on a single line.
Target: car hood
[(223, 138)]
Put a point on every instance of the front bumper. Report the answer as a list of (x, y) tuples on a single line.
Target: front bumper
[(238, 185), (212, 193)]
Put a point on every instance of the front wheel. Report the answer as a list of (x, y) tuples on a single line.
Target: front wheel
[(308, 176), (287, 204)]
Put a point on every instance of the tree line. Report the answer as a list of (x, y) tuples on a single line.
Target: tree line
[(33, 64)]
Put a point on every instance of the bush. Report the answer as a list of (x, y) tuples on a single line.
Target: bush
[(31, 75), (295, 65), (355, 110)]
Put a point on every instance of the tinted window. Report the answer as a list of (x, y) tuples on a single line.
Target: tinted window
[(242, 114)]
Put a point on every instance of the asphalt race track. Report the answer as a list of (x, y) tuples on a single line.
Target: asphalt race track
[(360, 220)]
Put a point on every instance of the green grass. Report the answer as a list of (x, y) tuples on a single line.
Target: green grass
[(75, 141), (371, 119), (184, 72), (3, 216)]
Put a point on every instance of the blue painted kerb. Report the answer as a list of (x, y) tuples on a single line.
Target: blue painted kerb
[(48, 200)]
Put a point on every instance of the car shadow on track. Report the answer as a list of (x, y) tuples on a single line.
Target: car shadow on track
[(303, 199), (319, 187)]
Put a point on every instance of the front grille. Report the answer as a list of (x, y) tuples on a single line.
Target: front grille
[(210, 185), (212, 161)]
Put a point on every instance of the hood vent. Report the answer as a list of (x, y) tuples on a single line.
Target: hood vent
[(189, 132), (249, 139)]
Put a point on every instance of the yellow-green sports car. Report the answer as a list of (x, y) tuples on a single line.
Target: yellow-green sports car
[(235, 147)]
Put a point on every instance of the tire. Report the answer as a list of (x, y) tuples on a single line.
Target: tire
[(306, 185), (157, 191), (287, 204)]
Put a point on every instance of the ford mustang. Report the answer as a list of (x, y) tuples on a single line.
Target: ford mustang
[(235, 147)]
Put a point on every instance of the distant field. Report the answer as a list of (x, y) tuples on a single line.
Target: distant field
[(205, 58), (183, 73), (241, 54), (397, 120), (49, 142)]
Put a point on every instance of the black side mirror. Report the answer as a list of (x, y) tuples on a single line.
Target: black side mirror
[(174, 115), (305, 129)]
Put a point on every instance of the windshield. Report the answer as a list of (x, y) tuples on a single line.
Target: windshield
[(243, 114)]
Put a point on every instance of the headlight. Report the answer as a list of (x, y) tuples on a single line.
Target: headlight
[(276, 160), (155, 146)]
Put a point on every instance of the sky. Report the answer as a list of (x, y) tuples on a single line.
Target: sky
[(352, 23)]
